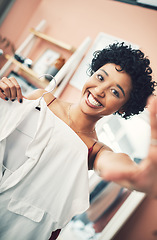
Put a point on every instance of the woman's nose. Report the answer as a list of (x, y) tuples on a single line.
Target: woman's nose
[(100, 91)]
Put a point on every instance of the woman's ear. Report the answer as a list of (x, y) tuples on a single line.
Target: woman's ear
[(121, 110)]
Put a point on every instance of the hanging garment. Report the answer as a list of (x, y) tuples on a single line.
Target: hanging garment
[(44, 192)]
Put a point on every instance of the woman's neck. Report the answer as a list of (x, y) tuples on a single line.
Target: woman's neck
[(79, 121)]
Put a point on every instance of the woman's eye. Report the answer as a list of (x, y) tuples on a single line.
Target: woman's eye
[(115, 92), (100, 77)]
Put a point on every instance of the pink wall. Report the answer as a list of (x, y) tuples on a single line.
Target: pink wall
[(72, 20), (17, 19)]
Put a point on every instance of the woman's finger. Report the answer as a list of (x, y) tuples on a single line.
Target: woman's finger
[(12, 89), (16, 90), (3, 96), (4, 87), (153, 117)]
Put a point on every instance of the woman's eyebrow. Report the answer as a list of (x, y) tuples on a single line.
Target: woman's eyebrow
[(104, 71), (121, 89), (116, 84)]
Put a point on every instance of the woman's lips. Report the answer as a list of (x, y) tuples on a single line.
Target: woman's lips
[(93, 102)]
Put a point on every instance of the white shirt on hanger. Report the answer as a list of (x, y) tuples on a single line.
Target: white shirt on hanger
[(48, 184)]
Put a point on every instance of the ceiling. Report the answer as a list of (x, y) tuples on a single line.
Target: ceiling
[(152, 4)]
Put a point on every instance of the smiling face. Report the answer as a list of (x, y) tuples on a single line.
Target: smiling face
[(106, 91)]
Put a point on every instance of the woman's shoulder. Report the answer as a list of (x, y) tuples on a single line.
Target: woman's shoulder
[(36, 94), (39, 93)]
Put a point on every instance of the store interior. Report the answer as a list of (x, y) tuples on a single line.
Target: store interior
[(58, 37)]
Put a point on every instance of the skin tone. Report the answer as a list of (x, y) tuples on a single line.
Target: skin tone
[(104, 93)]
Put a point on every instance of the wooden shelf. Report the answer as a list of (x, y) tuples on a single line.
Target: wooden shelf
[(29, 72)]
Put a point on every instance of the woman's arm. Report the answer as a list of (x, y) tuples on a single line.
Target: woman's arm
[(120, 168), (117, 167)]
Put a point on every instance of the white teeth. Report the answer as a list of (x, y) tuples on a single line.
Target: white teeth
[(93, 101)]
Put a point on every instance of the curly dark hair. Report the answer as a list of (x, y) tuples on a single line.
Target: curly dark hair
[(136, 64)]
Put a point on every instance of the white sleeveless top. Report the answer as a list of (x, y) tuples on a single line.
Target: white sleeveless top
[(47, 181)]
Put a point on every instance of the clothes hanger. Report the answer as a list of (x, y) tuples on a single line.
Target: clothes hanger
[(55, 84)]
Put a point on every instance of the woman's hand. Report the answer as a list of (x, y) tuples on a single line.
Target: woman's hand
[(149, 165), (10, 89), (145, 179), (118, 167)]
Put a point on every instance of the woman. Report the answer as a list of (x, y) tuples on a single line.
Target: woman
[(45, 184)]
